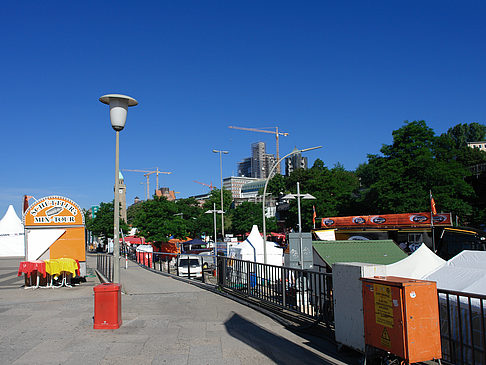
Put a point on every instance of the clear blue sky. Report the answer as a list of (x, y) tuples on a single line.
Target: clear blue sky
[(342, 74)]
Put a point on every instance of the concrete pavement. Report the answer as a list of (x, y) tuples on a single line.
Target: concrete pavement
[(165, 321)]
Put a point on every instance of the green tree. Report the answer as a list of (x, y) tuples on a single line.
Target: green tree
[(399, 181), (102, 225), (215, 198), (246, 215)]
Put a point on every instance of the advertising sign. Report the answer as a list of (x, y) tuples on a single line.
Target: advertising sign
[(54, 211), (388, 220)]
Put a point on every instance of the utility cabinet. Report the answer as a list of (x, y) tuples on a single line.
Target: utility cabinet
[(401, 316)]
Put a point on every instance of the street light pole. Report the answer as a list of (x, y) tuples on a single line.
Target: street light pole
[(118, 116), (265, 193), (299, 196), (221, 171)]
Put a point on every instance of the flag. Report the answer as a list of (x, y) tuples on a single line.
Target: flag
[(26, 202), (314, 216), (432, 204)]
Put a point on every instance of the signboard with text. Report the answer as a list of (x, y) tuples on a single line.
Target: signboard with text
[(54, 211)]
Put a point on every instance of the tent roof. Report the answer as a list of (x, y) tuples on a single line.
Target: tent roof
[(465, 272), (370, 251), (10, 222), (419, 264)]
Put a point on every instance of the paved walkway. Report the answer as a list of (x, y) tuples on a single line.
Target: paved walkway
[(165, 321)]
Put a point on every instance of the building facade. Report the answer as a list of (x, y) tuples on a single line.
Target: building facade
[(235, 183), (122, 196), (294, 162), (480, 145), (259, 164)]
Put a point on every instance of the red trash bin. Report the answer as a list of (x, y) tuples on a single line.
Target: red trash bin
[(107, 306)]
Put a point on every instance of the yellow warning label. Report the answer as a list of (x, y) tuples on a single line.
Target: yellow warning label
[(383, 305), (385, 338)]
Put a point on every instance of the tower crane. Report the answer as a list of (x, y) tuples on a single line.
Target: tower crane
[(276, 133), (147, 175), (210, 186)]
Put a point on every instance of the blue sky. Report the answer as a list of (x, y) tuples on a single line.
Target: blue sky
[(339, 74)]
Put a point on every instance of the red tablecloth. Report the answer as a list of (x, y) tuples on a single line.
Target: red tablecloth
[(27, 267)]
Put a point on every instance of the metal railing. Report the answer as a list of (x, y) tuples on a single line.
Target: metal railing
[(462, 327), (104, 264), (304, 292)]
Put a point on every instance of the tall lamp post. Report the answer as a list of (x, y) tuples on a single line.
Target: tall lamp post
[(118, 115), (265, 193), (222, 208), (214, 211)]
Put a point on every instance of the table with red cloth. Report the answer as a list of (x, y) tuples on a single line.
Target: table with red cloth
[(28, 267)]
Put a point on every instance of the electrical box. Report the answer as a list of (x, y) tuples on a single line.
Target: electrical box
[(401, 316)]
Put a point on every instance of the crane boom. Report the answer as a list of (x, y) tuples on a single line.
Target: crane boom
[(210, 186), (147, 174), (276, 133)]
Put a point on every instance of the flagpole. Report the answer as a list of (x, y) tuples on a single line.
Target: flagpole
[(432, 221)]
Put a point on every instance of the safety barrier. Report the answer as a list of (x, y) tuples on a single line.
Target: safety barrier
[(462, 325), (307, 293), (104, 264)]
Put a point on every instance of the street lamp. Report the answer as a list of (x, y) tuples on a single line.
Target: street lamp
[(214, 211), (265, 193), (299, 196), (222, 208), (118, 115)]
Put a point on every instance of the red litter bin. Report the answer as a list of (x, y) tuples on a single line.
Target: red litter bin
[(107, 306)]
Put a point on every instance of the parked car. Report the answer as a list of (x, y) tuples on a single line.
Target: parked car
[(189, 266)]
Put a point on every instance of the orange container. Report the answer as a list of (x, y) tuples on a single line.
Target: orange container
[(401, 316), (107, 306)]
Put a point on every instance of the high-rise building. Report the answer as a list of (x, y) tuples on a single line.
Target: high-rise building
[(244, 167), (294, 162), (259, 164)]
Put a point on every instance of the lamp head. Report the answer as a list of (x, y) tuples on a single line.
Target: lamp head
[(118, 108)]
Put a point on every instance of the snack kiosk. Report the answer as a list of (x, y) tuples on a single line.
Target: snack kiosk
[(54, 228)]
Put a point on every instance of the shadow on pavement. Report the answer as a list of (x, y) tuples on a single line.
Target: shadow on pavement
[(273, 346)]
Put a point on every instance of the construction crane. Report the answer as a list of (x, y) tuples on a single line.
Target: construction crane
[(210, 186), (147, 175), (276, 132)]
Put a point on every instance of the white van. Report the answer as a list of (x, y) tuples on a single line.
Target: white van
[(189, 265)]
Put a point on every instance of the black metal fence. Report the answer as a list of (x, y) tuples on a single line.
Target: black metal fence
[(304, 292), (462, 326), (104, 264)]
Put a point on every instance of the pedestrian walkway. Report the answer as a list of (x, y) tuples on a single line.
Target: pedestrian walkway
[(165, 321)]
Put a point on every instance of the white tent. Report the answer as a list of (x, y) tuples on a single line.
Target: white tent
[(11, 234), (416, 266), (251, 249), (465, 272)]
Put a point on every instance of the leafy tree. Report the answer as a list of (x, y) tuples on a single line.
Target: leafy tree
[(215, 199), (416, 162), (246, 215), (103, 224)]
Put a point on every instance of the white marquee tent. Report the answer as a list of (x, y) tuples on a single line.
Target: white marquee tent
[(251, 249), (11, 234)]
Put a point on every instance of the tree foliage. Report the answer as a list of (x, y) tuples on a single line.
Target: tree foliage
[(102, 225)]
